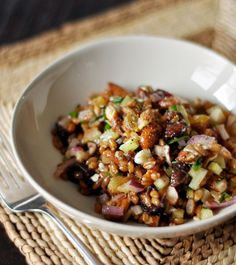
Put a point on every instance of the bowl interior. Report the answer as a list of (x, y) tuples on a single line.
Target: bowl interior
[(179, 67)]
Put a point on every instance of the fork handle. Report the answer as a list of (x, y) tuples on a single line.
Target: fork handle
[(86, 253)]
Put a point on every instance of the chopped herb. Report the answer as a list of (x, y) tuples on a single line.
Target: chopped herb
[(174, 162), (101, 117), (181, 109), (93, 96), (177, 139), (107, 126), (225, 197), (73, 114), (173, 108), (168, 171), (117, 100), (197, 164)]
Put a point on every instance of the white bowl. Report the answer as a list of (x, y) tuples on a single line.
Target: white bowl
[(180, 67)]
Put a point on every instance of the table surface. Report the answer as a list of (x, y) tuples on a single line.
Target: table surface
[(9, 254)]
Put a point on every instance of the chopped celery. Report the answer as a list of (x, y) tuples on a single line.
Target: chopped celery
[(117, 99), (220, 161), (215, 168), (109, 134), (177, 139), (182, 110), (161, 183), (216, 115), (197, 177), (115, 182), (190, 193), (225, 197), (205, 213), (178, 213), (130, 145), (126, 101), (91, 135)]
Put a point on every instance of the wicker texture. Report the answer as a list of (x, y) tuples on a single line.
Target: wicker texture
[(36, 237)]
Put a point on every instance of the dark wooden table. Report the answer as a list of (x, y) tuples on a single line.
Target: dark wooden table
[(9, 254)]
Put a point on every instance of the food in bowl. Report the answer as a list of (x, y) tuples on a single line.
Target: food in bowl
[(149, 156)]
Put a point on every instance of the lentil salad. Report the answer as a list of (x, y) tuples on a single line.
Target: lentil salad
[(149, 156)]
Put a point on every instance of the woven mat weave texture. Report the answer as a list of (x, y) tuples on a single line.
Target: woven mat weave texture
[(35, 235)]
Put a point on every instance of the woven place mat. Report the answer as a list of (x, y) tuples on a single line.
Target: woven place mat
[(34, 234)]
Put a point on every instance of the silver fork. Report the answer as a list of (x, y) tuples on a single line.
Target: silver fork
[(18, 196)]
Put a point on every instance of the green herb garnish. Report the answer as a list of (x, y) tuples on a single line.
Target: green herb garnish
[(73, 114), (107, 126), (225, 197), (197, 164), (117, 100), (177, 139), (181, 109), (173, 108)]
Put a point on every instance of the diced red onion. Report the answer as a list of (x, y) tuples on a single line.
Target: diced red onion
[(159, 94), (72, 151), (78, 152), (112, 211), (63, 167), (222, 131), (135, 184), (117, 197), (201, 139), (182, 143), (131, 185), (215, 205)]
